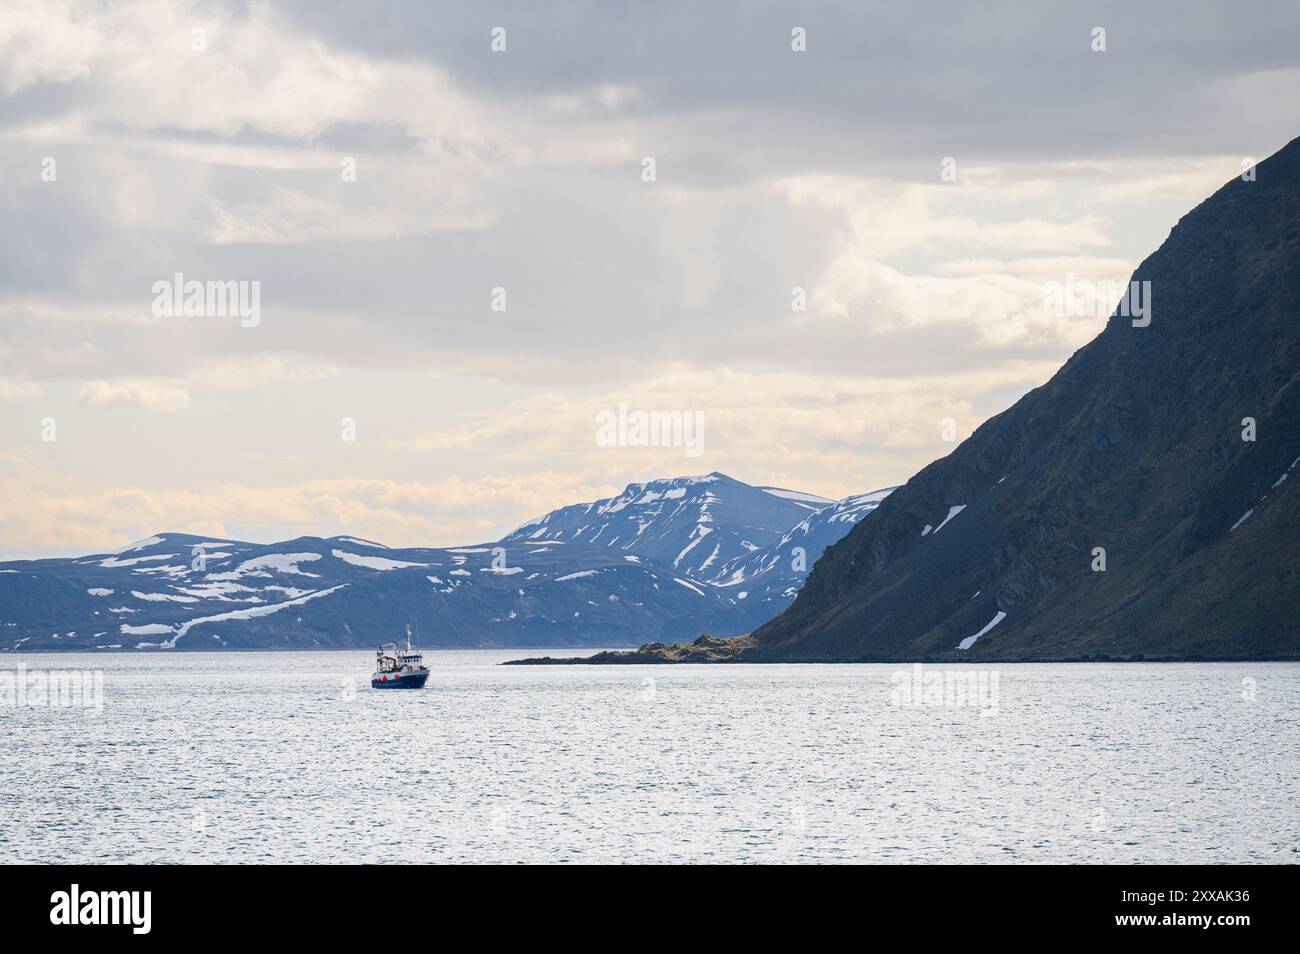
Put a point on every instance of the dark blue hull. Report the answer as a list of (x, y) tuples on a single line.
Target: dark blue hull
[(406, 681)]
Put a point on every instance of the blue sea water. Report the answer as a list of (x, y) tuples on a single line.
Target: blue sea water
[(291, 757)]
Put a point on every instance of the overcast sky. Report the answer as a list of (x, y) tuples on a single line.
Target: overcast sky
[(215, 139)]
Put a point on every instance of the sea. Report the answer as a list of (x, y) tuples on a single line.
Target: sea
[(245, 757)]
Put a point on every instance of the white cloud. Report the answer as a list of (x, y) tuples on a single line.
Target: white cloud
[(41, 41), (889, 218), (1043, 268), (1183, 180), (834, 435), (172, 394), (1000, 310), (523, 171), (153, 395), (17, 389), (255, 371), (251, 72), (74, 516)]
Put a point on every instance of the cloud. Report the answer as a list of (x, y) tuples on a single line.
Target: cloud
[(256, 371), (1180, 181), (248, 75), (174, 394), (229, 71), (835, 435), (522, 170), (888, 218), (1042, 268), (17, 389), (41, 41), (832, 436), (877, 86), (71, 516), (1001, 311), (143, 393)]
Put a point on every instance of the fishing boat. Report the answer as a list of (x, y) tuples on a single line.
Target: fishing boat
[(399, 668)]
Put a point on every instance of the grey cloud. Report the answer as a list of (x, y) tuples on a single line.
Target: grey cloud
[(604, 276), (881, 82)]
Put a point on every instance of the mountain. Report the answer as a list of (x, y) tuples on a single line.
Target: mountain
[(693, 524), (775, 573), (1173, 446), (755, 543), (343, 591), (570, 585)]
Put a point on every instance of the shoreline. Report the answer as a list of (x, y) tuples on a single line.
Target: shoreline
[(658, 657)]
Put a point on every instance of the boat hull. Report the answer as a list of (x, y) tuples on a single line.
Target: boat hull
[(407, 680)]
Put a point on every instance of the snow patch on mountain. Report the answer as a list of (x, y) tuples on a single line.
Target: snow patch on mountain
[(969, 641), (278, 562), (575, 576), (689, 586), (952, 512), (162, 597), (373, 563), (248, 613), (113, 562), (818, 502), (142, 544)]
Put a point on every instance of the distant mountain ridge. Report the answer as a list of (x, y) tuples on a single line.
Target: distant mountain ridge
[(712, 527), (690, 523), (584, 580)]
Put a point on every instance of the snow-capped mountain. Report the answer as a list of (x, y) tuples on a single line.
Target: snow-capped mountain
[(663, 561), (693, 524), (176, 591), (716, 530)]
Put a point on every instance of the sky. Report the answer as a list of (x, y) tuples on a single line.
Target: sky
[(824, 233)]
